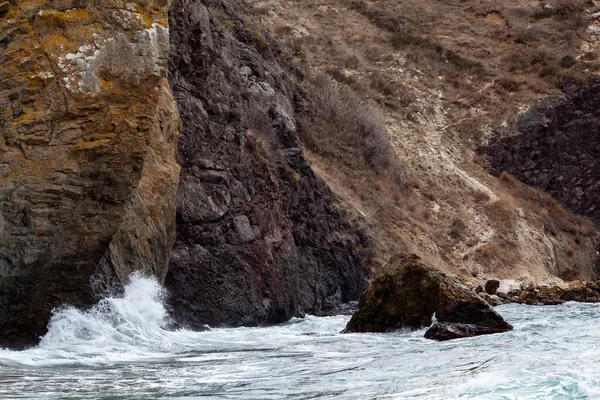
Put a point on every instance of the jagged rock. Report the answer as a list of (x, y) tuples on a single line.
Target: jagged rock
[(543, 294), (554, 146), (491, 286), (260, 239), (490, 299), (88, 171), (550, 147), (406, 293), (447, 331)]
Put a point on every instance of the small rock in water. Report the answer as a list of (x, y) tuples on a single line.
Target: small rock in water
[(446, 331), (406, 292)]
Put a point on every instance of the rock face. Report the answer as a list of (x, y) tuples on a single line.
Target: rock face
[(406, 293), (88, 171), (555, 146), (259, 238)]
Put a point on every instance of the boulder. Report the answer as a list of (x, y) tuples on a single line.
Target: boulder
[(490, 299), (407, 292), (446, 331), (491, 286)]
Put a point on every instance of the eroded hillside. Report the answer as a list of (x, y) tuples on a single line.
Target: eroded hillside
[(445, 75)]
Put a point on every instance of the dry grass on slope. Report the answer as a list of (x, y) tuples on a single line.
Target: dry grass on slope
[(442, 74)]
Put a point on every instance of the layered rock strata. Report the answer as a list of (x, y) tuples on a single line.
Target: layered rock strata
[(88, 171), (259, 238), (406, 293)]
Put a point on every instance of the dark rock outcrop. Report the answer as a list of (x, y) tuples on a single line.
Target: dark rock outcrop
[(491, 286), (260, 239), (88, 133), (447, 331), (555, 146), (406, 293)]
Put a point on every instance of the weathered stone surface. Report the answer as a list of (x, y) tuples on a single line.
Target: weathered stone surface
[(260, 239), (447, 331), (491, 286), (406, 293), (554, 146), (88, 171)]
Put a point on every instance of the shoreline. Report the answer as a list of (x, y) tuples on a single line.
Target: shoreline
[(497, 292)]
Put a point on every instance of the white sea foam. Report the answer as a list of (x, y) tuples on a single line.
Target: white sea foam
[(121, 348)]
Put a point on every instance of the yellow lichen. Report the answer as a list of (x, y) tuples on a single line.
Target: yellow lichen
[(90, 144), (30, 117)]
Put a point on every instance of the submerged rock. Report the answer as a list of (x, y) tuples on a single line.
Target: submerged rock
[(407, 292), (447, 331)]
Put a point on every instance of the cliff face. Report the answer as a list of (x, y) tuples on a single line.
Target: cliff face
[(260, 238), (88, 174), (555, 146)]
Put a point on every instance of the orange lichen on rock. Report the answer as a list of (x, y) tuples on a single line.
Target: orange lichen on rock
[(81, 143)]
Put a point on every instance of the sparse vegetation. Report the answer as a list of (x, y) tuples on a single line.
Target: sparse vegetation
[(501, 215), (551, 213), (457, 229), (526, 33), (443, 74), (489, 250), (354, 121), (508, 84)]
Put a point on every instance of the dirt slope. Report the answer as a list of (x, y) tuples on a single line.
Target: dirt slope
[(445, 74)]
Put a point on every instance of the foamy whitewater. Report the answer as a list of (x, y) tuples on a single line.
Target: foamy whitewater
[(119, 349)]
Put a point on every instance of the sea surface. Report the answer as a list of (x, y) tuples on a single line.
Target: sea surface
[(119, 350)]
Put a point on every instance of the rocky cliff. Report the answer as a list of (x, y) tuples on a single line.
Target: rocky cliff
[(259, 237), (88, 173), (555, 146)]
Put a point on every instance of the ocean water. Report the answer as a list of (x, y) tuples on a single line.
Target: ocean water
[(119, 350)]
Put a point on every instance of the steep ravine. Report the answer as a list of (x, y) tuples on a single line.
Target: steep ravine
[(259, 238)]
